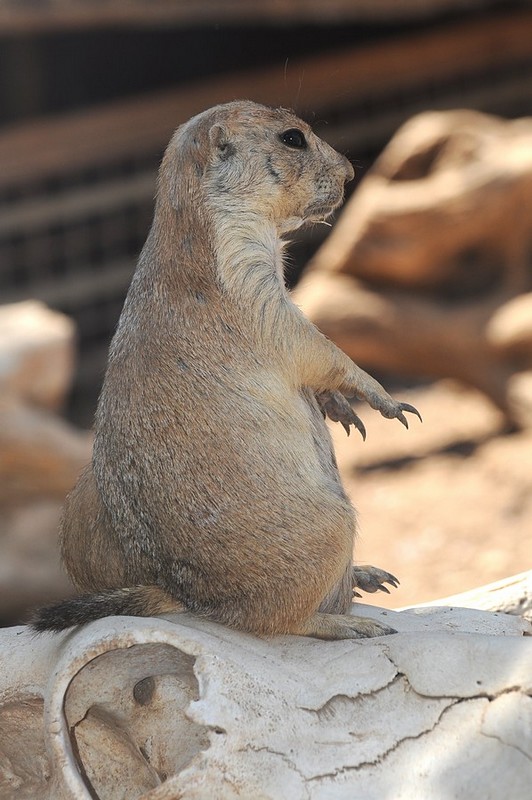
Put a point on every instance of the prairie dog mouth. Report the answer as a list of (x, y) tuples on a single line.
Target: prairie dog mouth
[(319, 212), (322, 209)]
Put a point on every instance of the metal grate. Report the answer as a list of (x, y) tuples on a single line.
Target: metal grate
[(72, 242)]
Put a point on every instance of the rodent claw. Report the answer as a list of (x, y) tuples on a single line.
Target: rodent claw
[(359, 425), (338, 408), (372, 579), (411, 410), (392, 580), (401, 417)]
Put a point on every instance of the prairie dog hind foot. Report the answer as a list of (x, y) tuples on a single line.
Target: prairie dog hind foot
[(343, 626)]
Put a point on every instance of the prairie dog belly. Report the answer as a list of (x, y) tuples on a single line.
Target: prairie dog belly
[(278, 460)]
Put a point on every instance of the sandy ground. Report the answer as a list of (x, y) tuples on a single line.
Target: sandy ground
[(445, 506)]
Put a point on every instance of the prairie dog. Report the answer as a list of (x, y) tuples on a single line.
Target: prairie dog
[(213, 486)]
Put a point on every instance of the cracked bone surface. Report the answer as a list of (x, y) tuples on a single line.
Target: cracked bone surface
[(180, 707), (428, 271)]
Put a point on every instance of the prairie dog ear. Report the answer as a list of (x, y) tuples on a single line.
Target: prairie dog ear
[(220, 138)]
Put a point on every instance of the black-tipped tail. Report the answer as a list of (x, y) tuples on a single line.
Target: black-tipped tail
[(135, 601)]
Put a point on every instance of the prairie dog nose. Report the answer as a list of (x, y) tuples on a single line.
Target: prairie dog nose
[(349, 171)]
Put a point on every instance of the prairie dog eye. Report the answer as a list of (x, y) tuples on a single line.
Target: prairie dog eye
[(294, 138)]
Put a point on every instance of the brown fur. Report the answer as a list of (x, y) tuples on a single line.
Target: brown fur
[(213, 476)]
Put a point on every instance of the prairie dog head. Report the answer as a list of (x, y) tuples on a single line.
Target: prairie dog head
[(250, 159)]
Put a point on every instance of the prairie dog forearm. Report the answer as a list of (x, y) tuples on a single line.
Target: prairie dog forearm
[(321, 364), (253, 277)]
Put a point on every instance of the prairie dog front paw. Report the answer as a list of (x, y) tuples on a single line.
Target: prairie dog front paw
[(392, 409), (338, 408), (363, 386)]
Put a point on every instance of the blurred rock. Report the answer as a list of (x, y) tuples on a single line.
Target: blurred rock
[(36, 353), (30, 571), (447, 207), (520, 397), (428, 270), (510, 330), (40, 453)]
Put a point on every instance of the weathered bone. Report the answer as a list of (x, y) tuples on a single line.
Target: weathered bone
[(179, 707)]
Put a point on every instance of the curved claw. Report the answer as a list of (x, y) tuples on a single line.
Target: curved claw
[(411, 410), (372, 579), (335, 406), (401, 417), (359, 425)]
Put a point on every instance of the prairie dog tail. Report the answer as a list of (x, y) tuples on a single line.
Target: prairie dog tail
[(135, 601)]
